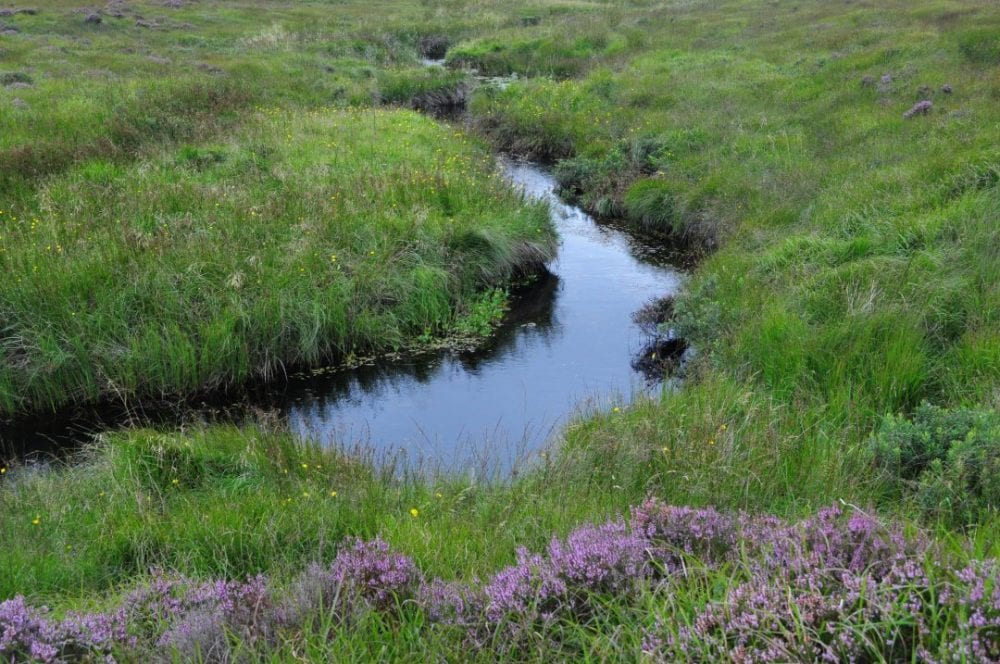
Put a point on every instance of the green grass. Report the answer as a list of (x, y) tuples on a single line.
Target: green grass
[(176, 227), (302, 237), (169, 222), (253, 500), (854, 270)]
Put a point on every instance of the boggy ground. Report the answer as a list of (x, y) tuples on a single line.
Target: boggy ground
[(850, 273)]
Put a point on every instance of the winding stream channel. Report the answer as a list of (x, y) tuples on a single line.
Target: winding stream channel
[(568, 344)]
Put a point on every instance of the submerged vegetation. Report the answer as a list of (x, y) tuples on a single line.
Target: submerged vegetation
[(198, 194)]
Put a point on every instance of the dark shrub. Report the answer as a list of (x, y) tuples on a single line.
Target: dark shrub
[(10, 78), (434, 46), (949, 459)]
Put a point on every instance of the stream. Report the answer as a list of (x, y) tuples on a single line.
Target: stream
[(567, 345)]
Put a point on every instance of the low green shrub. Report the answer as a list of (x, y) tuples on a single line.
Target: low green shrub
[(947, 459)]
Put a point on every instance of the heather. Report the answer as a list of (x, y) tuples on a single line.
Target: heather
[(838, 586)]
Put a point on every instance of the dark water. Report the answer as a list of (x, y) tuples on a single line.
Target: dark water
[(566, 346)]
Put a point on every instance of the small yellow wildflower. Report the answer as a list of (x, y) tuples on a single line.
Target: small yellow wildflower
[(711, 441), (175, 481), (616, 409), (36, 521), (305, 466), (3, 471), (101, 494), (414, 512), (723, 427), (439, 495), (333, 494), (666, 450), (305, 494)]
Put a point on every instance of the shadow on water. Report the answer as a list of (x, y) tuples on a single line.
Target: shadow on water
[(568, 344)]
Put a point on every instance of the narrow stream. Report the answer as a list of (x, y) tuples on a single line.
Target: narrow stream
[(567, 345)]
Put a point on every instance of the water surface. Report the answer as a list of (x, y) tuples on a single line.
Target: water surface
[(567, 345)]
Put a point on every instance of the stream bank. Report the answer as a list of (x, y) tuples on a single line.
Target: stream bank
[(568, 344)]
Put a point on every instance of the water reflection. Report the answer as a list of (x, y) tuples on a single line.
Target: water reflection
[(567, 344)]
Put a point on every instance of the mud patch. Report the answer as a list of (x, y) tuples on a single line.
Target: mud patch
[(662, 358), (443, 104)]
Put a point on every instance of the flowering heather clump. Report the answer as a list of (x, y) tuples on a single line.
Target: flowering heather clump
[(374, 573), (452, 603), (838, 586), (920, 108), (673, 532), (976, 590), (525, 592), (209, 614), (364, 575), (605, 559), (27, 633)]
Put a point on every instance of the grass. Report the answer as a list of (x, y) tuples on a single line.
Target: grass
[(244, 501), (229, 502), (182, 238), (211, 264), (172, 220)]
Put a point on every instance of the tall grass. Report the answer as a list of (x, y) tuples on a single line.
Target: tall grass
[(853, 269), (304, 237)]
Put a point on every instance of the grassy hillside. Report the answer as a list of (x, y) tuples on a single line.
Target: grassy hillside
[(845, 309)]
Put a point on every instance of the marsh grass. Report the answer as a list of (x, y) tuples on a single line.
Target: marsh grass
[(855, 273), (302, 238), (858, 266)]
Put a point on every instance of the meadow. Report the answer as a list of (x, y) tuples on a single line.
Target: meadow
[(195, 195)]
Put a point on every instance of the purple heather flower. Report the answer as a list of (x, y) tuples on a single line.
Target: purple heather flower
[(838, 586), (922, 107)]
